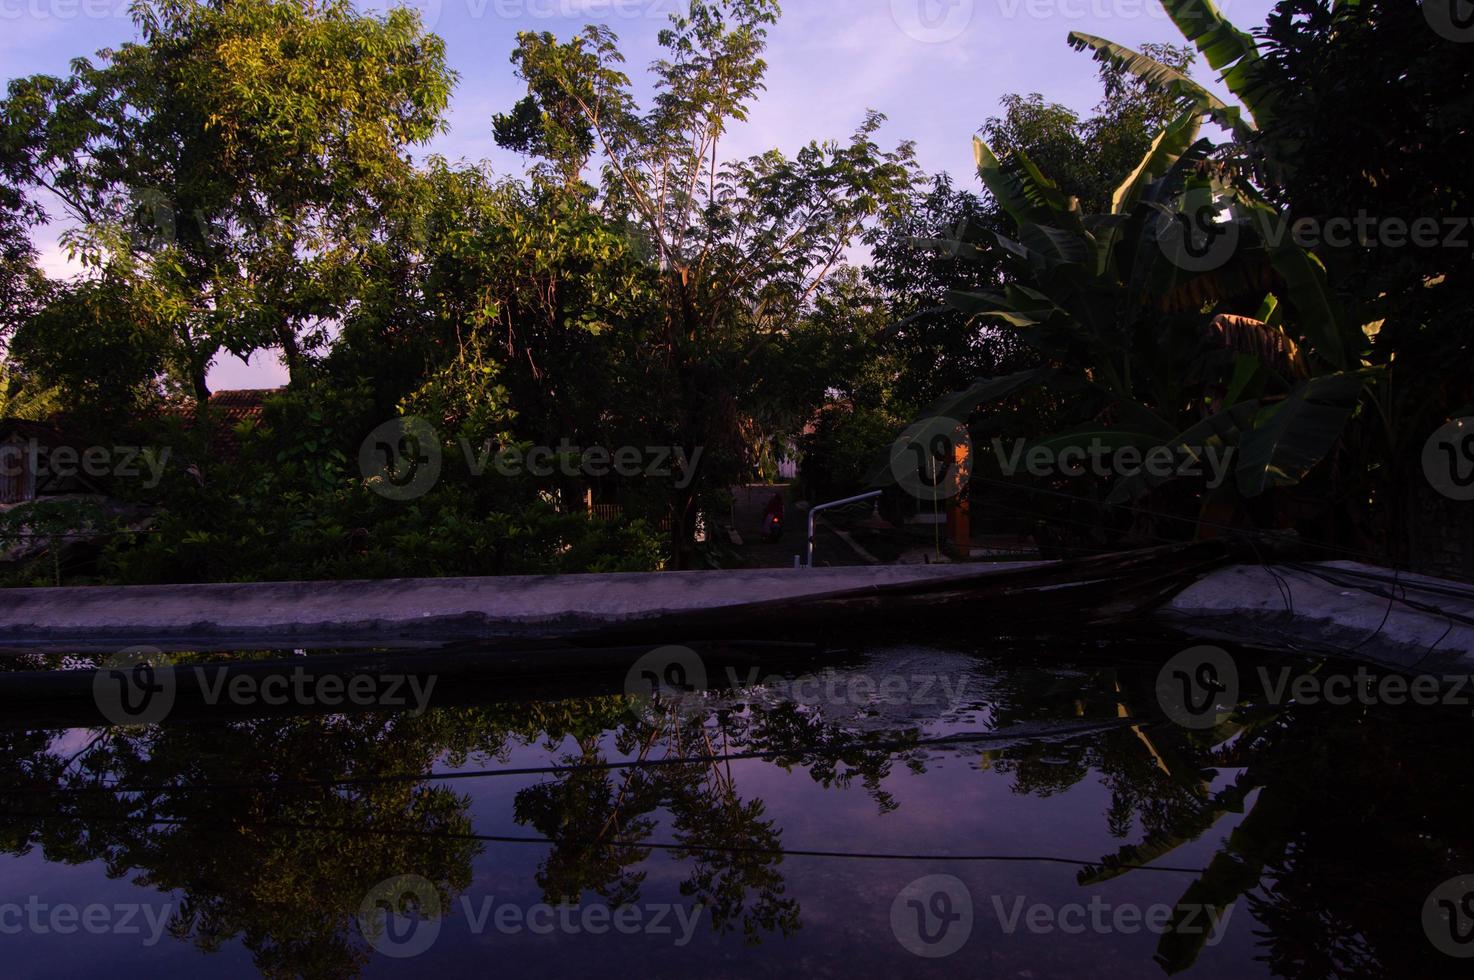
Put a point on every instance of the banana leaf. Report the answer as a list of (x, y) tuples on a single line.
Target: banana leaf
[(1109, 438), (1057, 246), (1288, 439), (1221, 430), (1169, 146), (960, 405), (1305, 287), (1166, 79), (1227, 50), (1023, 192), (1259, 838)]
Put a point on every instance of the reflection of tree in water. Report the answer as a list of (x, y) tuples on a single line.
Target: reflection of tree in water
[(1351, 816), (24, 761), (289, 894), (598, 818), (270, 855), (832, 754), (1148, 794), (1360, 813)]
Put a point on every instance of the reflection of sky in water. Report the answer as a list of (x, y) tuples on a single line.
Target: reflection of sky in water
[(933, 804)]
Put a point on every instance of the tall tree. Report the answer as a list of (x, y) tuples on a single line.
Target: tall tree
[(231, 165), (940, 348), (1089, 157), (20, 280), (738, 247)]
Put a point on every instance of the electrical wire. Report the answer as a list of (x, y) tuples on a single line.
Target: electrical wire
[(890, 747), (782, 852)]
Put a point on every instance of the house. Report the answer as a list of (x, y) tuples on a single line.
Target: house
[(29, 453), (228, 410), (54, 459)]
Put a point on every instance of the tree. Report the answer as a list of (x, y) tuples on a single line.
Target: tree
[(1372, 122), (1242, 353), (1314, 69), (738, 249), (1087, 158), (21, 283), (20, 398), (936, 348), (230, 167), (109, 370), (502, 311), (940, 349)]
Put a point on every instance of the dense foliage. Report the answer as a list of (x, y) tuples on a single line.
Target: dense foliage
[(240, 179)]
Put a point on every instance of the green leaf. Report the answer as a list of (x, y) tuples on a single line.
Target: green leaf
[(1109, 438), (1227, 50), (1054, 245), (1291, 437), (1166, 149), (1221, 429), (1023, 192)]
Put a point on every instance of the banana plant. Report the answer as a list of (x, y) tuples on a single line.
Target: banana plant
[(1164, 345), (1231, 52), (1153, 336)]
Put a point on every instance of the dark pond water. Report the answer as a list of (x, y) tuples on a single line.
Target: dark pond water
[(1028, 812)]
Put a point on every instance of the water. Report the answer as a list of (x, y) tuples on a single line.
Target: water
[(840, 818)]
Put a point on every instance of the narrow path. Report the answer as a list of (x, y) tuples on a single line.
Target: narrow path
[(750, 504)]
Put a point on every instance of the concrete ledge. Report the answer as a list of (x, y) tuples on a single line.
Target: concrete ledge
[(429, 612), (1334, 608)]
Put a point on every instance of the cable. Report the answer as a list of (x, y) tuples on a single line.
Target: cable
[(1386, 615), (1451, 590), (1287, 594), (640, 845), (890, 747), (1383, 594)]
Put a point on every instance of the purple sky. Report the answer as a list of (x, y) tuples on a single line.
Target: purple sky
[(936, 68)]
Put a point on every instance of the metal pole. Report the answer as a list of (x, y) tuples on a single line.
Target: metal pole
[(809, 552)]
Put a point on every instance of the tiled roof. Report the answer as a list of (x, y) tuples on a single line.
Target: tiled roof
[(237, 406), (229, 408)]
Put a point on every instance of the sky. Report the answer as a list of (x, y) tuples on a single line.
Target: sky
[(936, 68)]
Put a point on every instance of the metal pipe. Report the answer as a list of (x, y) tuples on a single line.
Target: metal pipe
[(809, 552)]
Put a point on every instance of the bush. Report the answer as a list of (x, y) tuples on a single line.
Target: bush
[(844, 449)]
